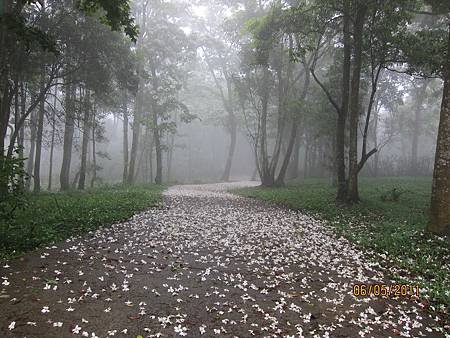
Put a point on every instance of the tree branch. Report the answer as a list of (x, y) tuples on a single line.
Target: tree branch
[(327, 93), (365, 158)]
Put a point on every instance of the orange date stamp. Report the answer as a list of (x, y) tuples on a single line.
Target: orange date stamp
[(385, 290)]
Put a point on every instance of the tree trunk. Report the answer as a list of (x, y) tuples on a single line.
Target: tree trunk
[(281, 175), (147, 178), (342, 114), (85, 141), (75, 180), (5, 86), (69, 128), (5, 111), (135, 135), (284, 166), (231, 149), (376, 158), (30, 161), (7, 43), (150, 158), (125, 142), (138, 104), (141, 158), (282, 115), (254, 174), (352, 192), (94, 152), (21, 137), (40, 130), (265, 173), (439, 222), (170, 157), (232, 127), (293, 169), (134, 147), (306, 157), (417, 124), (23, 102), (156, 130), (312, 159), (227, 102), (332, 160), (157, 140), (364, 154), (16, 103), (52, 143)]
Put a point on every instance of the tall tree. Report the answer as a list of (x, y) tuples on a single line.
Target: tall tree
[(420, 93), (358, 33), (164, 64), (39, 139), (26, 31), (30, 160), (52, 141), (125, 140), (426, 52), (440, 195), (85, 139), (374, 30), (219, 54), (142, 10), (341, 109), (274, 57), (69, 129)]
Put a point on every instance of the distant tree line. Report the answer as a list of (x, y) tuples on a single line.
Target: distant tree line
[(310, 77)]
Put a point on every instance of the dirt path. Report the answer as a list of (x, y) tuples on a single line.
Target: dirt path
[(208, 263)]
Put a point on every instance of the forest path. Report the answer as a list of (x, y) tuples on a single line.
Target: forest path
[(207, 262)]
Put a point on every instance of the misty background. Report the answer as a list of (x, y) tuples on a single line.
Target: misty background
[(204, 47)]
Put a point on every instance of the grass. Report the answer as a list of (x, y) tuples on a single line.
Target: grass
[(51, 217), (387, 221)]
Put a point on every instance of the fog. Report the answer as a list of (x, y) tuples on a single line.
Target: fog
[(206, 85), (267, 168)]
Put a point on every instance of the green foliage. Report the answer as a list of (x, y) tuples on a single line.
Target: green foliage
[(425, 52), (28, 35), (265, 32), (423, 49), (12, 195), (51, 217), (114, 13), (394, 230), (164, 53), (305, 21)]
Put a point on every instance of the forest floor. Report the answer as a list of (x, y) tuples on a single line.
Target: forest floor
[(205, 263), (389, 221)]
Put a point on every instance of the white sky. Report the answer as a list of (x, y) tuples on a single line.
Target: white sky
[(200, 11)]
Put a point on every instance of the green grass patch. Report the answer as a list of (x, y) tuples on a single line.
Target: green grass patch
[(390, 220), (51, 217)]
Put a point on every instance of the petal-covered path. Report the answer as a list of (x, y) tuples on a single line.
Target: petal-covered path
[(207, 263)]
